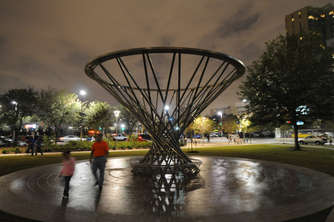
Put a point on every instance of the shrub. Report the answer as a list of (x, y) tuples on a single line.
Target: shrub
[(17, 150), (5, 151), (78, 145), (48, 142), (86, 145)]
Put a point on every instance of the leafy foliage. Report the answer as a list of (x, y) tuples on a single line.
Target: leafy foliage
[(292, 81), (230, 123), (125, 117), (16, 104), (98, 114), (201, 125), (56, 108)]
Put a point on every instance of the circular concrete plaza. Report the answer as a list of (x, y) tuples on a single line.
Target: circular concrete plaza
[(227, 189)]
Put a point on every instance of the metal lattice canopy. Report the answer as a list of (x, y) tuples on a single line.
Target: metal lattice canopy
[(165, 88)]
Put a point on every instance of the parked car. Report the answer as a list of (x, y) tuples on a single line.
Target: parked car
[(68, 138), (2, 143), (21, 143), (197, 136), (120, 137), (313, 140), (91, 139), (5, 141), (144, 137), (214, 134)]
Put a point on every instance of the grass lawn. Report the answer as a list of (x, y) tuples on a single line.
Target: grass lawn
[(11, 163), (314, 158)]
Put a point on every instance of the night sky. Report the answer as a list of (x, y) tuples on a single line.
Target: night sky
[(47, 43)]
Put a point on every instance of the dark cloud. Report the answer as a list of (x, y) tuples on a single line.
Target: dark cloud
[(236, 25), (166, 41), (9, 81), (250, 51), (3, 48), (77, 58), (242, 20), (2, 42)]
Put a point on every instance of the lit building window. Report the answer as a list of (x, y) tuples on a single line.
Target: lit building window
[(292, 19), (311, 17), (322, 15)]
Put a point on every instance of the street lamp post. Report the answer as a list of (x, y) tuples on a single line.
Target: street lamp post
[(15, 108), (82, 93), (116, 113), (220, 114), (122, 127)]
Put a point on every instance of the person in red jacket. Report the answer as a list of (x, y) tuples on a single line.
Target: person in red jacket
[(67, 171), (98, 159)]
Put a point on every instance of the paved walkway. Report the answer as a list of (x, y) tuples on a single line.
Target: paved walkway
[(229, 189)]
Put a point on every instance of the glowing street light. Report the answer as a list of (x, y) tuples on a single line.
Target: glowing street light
[(15, 104), (220, 113), (116, 113), (166, 108), (122, 127), (82, 92)]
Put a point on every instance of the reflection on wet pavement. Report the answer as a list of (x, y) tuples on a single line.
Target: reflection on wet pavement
[(226, 188)]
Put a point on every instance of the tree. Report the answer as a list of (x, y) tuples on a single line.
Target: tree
[(201, 125), (291, 81), (126, 117), (230, 123), (56, 108), (98, 115), (16, 105)]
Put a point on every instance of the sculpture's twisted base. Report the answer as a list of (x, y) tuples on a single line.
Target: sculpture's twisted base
[(190, 169)]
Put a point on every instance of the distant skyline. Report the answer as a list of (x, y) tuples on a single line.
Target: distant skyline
[(47, 43)]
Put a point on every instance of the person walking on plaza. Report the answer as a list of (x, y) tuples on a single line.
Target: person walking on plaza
[(67, 171), (31, 144), (98, 159)]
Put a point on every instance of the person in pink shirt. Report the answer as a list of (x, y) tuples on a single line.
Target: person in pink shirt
[(67, 171)]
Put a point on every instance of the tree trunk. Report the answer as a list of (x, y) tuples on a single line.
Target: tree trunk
[(56, 134), (20, 123), (295, 129)]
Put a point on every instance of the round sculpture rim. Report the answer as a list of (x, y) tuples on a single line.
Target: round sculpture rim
[(90, 66)]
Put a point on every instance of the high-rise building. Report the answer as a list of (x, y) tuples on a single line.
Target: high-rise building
[(311, 19)]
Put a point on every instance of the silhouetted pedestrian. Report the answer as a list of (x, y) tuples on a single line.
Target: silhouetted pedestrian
[(208, 137), (31, 143), (330, 140), (38, 144)]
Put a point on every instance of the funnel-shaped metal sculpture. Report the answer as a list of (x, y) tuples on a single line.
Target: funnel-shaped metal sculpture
[(165, 88)]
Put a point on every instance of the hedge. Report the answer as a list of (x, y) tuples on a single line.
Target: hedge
[(81, 146)]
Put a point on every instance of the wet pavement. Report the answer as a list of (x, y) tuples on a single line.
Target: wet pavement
[(227, 189)]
